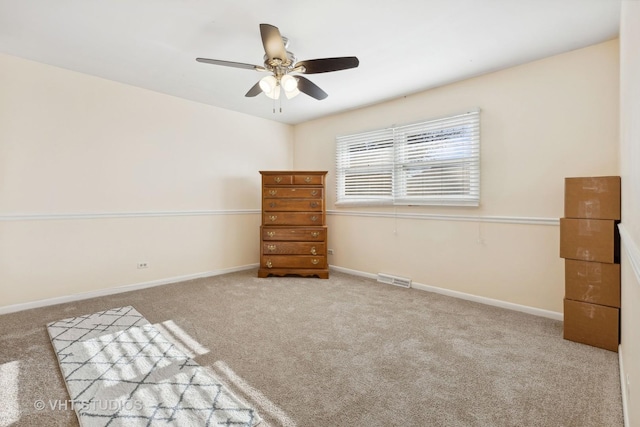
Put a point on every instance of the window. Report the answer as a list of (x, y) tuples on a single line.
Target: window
[(430, 163)]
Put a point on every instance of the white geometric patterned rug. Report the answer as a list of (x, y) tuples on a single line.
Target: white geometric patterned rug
[(121, 371)]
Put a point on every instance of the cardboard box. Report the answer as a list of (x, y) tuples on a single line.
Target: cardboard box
[(594, 240), (594, 198), (592, 324), (593, 282)]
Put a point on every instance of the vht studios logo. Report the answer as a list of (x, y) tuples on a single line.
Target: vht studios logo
[(94, 405)]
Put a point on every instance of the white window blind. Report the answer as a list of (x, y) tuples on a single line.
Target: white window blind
[(366, 163), (436, 162)]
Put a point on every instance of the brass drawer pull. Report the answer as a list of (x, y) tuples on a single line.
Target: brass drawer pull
[(269, 265), (314, 193), (271, 233), (273, 192), (307, 179), (277, 179), (273, 217), (272, 248), (272, 204), (315, 261), (313, 204), (313, 250), (315, 233), (314, 218)]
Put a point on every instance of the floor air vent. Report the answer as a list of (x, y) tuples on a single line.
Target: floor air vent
[(394, 280)]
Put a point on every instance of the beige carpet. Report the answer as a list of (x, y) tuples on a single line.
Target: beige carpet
[(341, 352)]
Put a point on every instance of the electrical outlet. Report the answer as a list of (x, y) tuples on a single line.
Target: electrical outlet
[(143, 265), (330, 251)]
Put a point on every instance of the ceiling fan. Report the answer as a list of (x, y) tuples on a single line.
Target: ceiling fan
[(282, 65)]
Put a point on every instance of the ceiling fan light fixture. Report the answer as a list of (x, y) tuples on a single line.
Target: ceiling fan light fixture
[(275, 93), (268, 84), (291, 93), (289, 83)]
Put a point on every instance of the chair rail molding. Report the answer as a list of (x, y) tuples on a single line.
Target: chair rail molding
[(451, 217), (104, 215)]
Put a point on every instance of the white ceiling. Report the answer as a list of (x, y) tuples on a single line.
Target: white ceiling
[(404, 46)]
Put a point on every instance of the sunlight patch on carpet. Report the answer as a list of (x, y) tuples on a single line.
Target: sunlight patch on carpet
[(253, 395), (121, 370), (9, 374), (181, 339)]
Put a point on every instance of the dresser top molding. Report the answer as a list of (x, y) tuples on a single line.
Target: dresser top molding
[(295, 172)]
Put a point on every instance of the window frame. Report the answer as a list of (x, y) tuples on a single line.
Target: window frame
[(418, 150)]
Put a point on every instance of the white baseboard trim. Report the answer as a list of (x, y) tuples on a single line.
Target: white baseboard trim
[(176, 279), (119, 289), (353, 272), (461, 295), (623, 386), (490, 301)]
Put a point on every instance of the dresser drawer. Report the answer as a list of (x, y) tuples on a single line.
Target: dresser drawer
[(292, 193), (298, 234), (277, 179), (293, 205), (293, 218), (293, 248), (293, 261), (308, 179)]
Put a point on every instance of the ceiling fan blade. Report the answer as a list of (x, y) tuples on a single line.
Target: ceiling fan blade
[(272, 42), (307, 86), (231, 64), (325, 65), (254, 91)]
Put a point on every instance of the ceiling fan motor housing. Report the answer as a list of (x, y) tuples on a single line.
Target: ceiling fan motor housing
[(279, 66)]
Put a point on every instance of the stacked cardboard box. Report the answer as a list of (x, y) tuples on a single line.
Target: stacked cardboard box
[(590, 244)]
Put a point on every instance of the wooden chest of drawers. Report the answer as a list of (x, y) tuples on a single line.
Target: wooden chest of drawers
[(293, 234)]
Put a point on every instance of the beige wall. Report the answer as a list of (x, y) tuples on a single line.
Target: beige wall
[(96, 176), (73, 144), (630, 229), (540, 122)]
